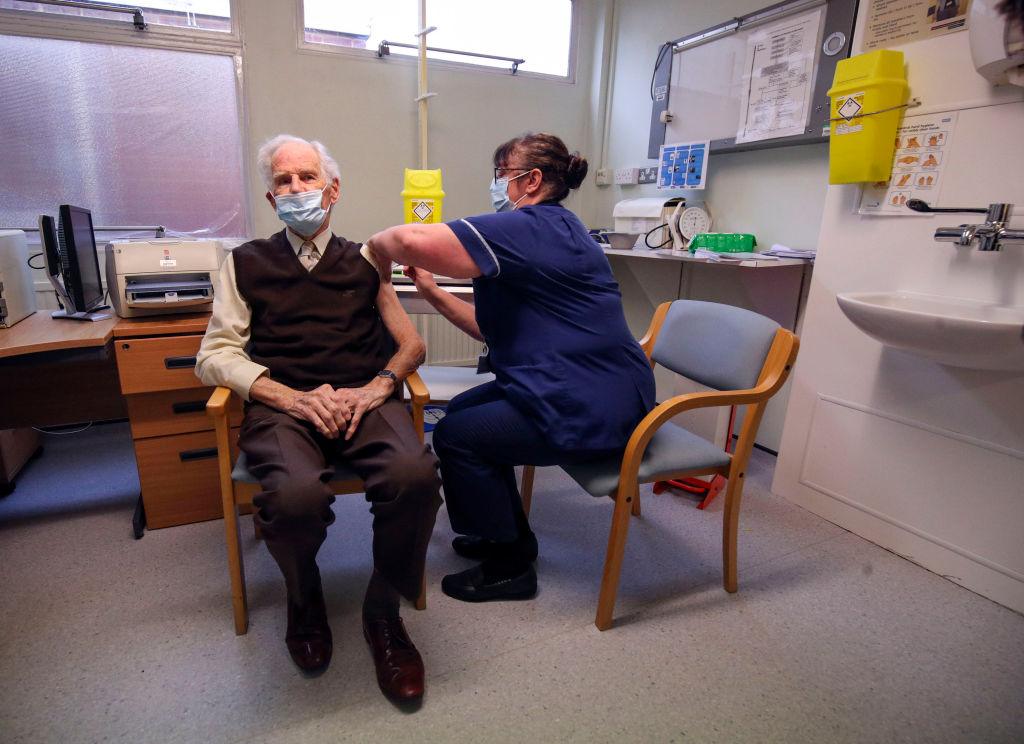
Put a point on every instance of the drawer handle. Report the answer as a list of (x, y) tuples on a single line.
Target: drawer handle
[(189, 406), (204, 453), (179, 362)]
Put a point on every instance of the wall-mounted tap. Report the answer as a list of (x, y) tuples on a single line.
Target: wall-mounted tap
[(990, 236)]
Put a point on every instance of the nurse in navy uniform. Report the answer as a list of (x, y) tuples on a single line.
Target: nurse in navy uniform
[(571, 382)]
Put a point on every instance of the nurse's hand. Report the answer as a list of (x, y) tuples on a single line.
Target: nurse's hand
[(423, 280), (362, 399)]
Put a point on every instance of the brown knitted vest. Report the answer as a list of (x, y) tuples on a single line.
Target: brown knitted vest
[(313, 327)]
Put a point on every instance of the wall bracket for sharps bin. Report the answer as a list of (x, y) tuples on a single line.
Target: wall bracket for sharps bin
[(869, 93), (422, 196)]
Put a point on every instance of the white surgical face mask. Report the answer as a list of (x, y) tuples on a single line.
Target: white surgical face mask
[(499, 194), (303, 213)]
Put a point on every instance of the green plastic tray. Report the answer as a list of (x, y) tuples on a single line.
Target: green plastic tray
[(724, 242)]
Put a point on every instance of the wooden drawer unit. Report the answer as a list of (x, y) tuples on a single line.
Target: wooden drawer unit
[(174, 412), (146, 365), (179, 477), (174, 443)]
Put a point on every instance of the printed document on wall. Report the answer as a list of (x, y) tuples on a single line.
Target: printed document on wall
[(922, 149), (896, 22), (778, 78)]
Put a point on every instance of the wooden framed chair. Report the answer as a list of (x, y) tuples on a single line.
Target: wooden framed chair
[(745, 358), (238, 486)]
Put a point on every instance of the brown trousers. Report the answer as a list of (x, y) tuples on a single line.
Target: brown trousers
[(289, 457)]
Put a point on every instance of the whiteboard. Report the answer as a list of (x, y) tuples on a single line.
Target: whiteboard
[(707, 84), (755, 81)]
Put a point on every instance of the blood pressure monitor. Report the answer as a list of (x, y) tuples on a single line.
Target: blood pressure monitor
[(687, 222), (694, 220)]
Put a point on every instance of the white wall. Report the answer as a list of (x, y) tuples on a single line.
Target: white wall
[(776, 194), (362, 109), (924, 459)]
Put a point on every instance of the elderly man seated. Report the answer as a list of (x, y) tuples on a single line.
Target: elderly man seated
[(305, 328)]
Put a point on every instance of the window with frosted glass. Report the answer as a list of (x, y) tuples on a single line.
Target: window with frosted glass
[(140, 136), (539, 31), (207, 15)]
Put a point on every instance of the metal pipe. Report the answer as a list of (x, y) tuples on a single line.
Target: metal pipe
[(138, 20), (382, 50), (958, 235), (422, 96), (751, 20), (608, 69), (158, 229)]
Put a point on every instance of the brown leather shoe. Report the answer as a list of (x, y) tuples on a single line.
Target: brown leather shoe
[(309, 638), (399, 665)]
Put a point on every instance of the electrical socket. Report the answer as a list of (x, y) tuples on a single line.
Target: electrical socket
[(603, 177), (626, 176), (648, 175)]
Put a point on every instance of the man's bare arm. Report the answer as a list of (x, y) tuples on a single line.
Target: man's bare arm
[(409, 355)]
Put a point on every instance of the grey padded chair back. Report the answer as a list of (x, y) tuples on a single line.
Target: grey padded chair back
[(720, 346)]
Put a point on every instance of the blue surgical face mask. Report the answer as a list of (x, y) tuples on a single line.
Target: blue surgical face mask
[(304, 212), (499, 194)]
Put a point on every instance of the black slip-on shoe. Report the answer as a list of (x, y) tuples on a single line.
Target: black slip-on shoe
[(482, 549), (473, 585)]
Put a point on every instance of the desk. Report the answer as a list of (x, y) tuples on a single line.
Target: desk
[(55, 372), (414, 303), (687, 257)]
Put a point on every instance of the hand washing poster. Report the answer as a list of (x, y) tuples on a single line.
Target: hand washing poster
[(922, 148)]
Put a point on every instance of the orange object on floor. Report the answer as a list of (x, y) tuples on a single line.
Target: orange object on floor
[(707, 489)]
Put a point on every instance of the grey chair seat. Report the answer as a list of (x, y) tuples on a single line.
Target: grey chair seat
[(672, 450), (444, 383), (241, 473)]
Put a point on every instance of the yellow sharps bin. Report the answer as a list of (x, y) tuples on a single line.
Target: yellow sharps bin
[(422, 195), (868, 95)]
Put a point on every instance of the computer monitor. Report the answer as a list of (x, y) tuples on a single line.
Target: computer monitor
[(51, 259), (72, 265)]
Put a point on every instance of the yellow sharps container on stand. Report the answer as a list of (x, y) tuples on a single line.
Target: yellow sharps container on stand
[(869, 93), (422, 195)]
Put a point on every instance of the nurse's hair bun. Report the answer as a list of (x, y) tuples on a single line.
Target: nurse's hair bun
[(547, 153), (575, 170)]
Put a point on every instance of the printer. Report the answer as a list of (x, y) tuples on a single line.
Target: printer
[(162, 276), (17, 295)]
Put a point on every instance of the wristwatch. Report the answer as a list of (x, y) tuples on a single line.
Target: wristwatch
[(389, 374)]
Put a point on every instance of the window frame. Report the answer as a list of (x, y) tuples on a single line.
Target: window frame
[(109, 31), (368, 55), (102, 31)]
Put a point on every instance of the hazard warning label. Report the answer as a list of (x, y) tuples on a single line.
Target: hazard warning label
[(423, 209), (851, 106)]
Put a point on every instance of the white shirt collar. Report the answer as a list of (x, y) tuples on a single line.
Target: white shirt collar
[(320, 241)]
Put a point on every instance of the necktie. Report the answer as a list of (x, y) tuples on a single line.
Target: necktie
[(309, 255)]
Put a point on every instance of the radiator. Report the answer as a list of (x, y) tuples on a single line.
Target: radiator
[(446, 344)]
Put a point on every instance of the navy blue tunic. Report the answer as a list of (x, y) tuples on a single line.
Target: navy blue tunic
[(551, 314)]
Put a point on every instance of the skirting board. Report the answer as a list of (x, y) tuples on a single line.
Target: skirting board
[(952, 503)]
